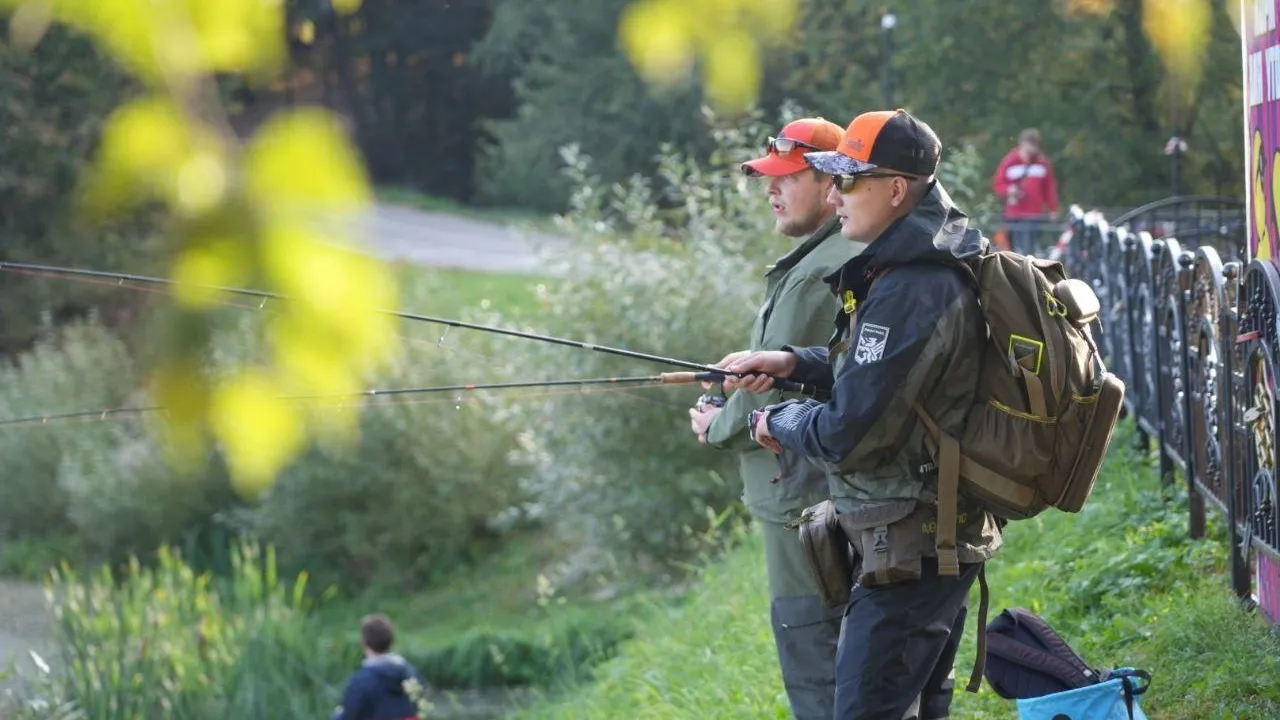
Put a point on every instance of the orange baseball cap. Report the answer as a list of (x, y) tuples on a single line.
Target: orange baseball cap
[(812, 134), (889, 139)]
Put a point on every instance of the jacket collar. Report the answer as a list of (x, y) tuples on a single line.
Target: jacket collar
[(935, 231), (799, 252)]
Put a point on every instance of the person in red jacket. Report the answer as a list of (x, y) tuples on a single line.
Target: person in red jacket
[(1026, 183)]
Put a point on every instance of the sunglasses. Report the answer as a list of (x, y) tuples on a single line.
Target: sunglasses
[(786, 145), (846, 183)]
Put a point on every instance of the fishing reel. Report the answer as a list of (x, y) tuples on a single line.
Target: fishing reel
[(709, 400)]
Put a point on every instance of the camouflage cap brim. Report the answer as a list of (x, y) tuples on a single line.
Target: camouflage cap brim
[(836, 163)]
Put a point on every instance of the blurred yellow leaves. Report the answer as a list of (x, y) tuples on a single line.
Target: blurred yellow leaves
[(667, 39), (302, 161), (259, 432), (151, 150), (271, 213), (177, 40), (346, 7), (29, 24), (1089, 7), (1179, 30)]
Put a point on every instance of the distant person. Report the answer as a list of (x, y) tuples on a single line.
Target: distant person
[(377, 690), (1025, 182)]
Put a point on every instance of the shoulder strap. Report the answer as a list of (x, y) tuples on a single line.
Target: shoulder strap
[(980, 657)]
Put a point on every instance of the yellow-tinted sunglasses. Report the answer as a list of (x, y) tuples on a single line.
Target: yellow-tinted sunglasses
[(846, 183)]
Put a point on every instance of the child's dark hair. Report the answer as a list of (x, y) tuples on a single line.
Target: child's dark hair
[(377, 632)]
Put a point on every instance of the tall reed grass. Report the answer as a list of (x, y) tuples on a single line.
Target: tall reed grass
[(166, 642)]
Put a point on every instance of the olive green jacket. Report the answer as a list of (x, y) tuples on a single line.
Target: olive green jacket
[(797, 310)]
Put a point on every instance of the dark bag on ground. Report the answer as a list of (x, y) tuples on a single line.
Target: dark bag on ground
[(1028, 661), (828, 551)]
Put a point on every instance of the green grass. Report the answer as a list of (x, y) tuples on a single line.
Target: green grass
[(1120, 581), (446, 290), (499, 623), (430, 203)]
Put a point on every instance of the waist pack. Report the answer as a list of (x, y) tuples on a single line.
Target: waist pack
[(827, 550), (1028, 661)]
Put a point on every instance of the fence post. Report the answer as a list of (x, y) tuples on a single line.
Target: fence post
[(1233, 464), (1186, 292), (1139, 406)]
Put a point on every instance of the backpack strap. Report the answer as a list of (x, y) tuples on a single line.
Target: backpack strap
[(980, 657), (949, 461)]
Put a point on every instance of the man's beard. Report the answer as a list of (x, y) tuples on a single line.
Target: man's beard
[(801, 226)]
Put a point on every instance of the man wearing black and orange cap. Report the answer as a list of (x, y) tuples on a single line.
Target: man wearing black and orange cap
[(797, 310), (909, 331)]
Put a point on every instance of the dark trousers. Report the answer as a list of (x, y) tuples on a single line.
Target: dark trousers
[(898, 647)]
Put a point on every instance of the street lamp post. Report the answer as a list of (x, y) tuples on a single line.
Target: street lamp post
[(887, 21)]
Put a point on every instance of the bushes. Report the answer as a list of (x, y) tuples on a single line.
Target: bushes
[(170, 643), (549, 655), (54, 99), (417, 492), (416, 495), (79, 366)]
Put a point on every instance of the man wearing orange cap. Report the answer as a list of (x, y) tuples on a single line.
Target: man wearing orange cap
[(797, 310), (910, 341)]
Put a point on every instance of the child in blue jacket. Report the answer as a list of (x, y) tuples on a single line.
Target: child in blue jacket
[(377, 690)]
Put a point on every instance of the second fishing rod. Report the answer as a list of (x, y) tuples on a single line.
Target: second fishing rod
[(779, 383)]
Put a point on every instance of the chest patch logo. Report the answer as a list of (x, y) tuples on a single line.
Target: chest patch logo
[(871, 343)]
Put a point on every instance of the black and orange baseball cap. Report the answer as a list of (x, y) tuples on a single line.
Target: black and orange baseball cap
[(807, 134), (887, 139)]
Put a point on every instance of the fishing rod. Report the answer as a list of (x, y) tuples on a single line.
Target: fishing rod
[(778, 383), (671, 378)]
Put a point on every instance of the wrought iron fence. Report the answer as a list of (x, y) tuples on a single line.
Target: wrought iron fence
[(1190, 325)]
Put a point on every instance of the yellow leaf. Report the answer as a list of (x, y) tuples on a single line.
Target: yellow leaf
[(301, 161), (1090, 7), (148, 38), (239, 35), (198, 269), (150, 149), (773, 17), (1179, 30), (29, 23), (178, 386), (200, 184), (311, 365), (307, 31), (343, 288), (259, 431), (346, 7), (733, 70), (308, 358), (656, 37)]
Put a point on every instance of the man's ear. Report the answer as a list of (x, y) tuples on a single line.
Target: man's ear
[(901, 192)]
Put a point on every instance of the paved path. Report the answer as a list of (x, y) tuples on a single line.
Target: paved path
[(444, 240), (24, 626)]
